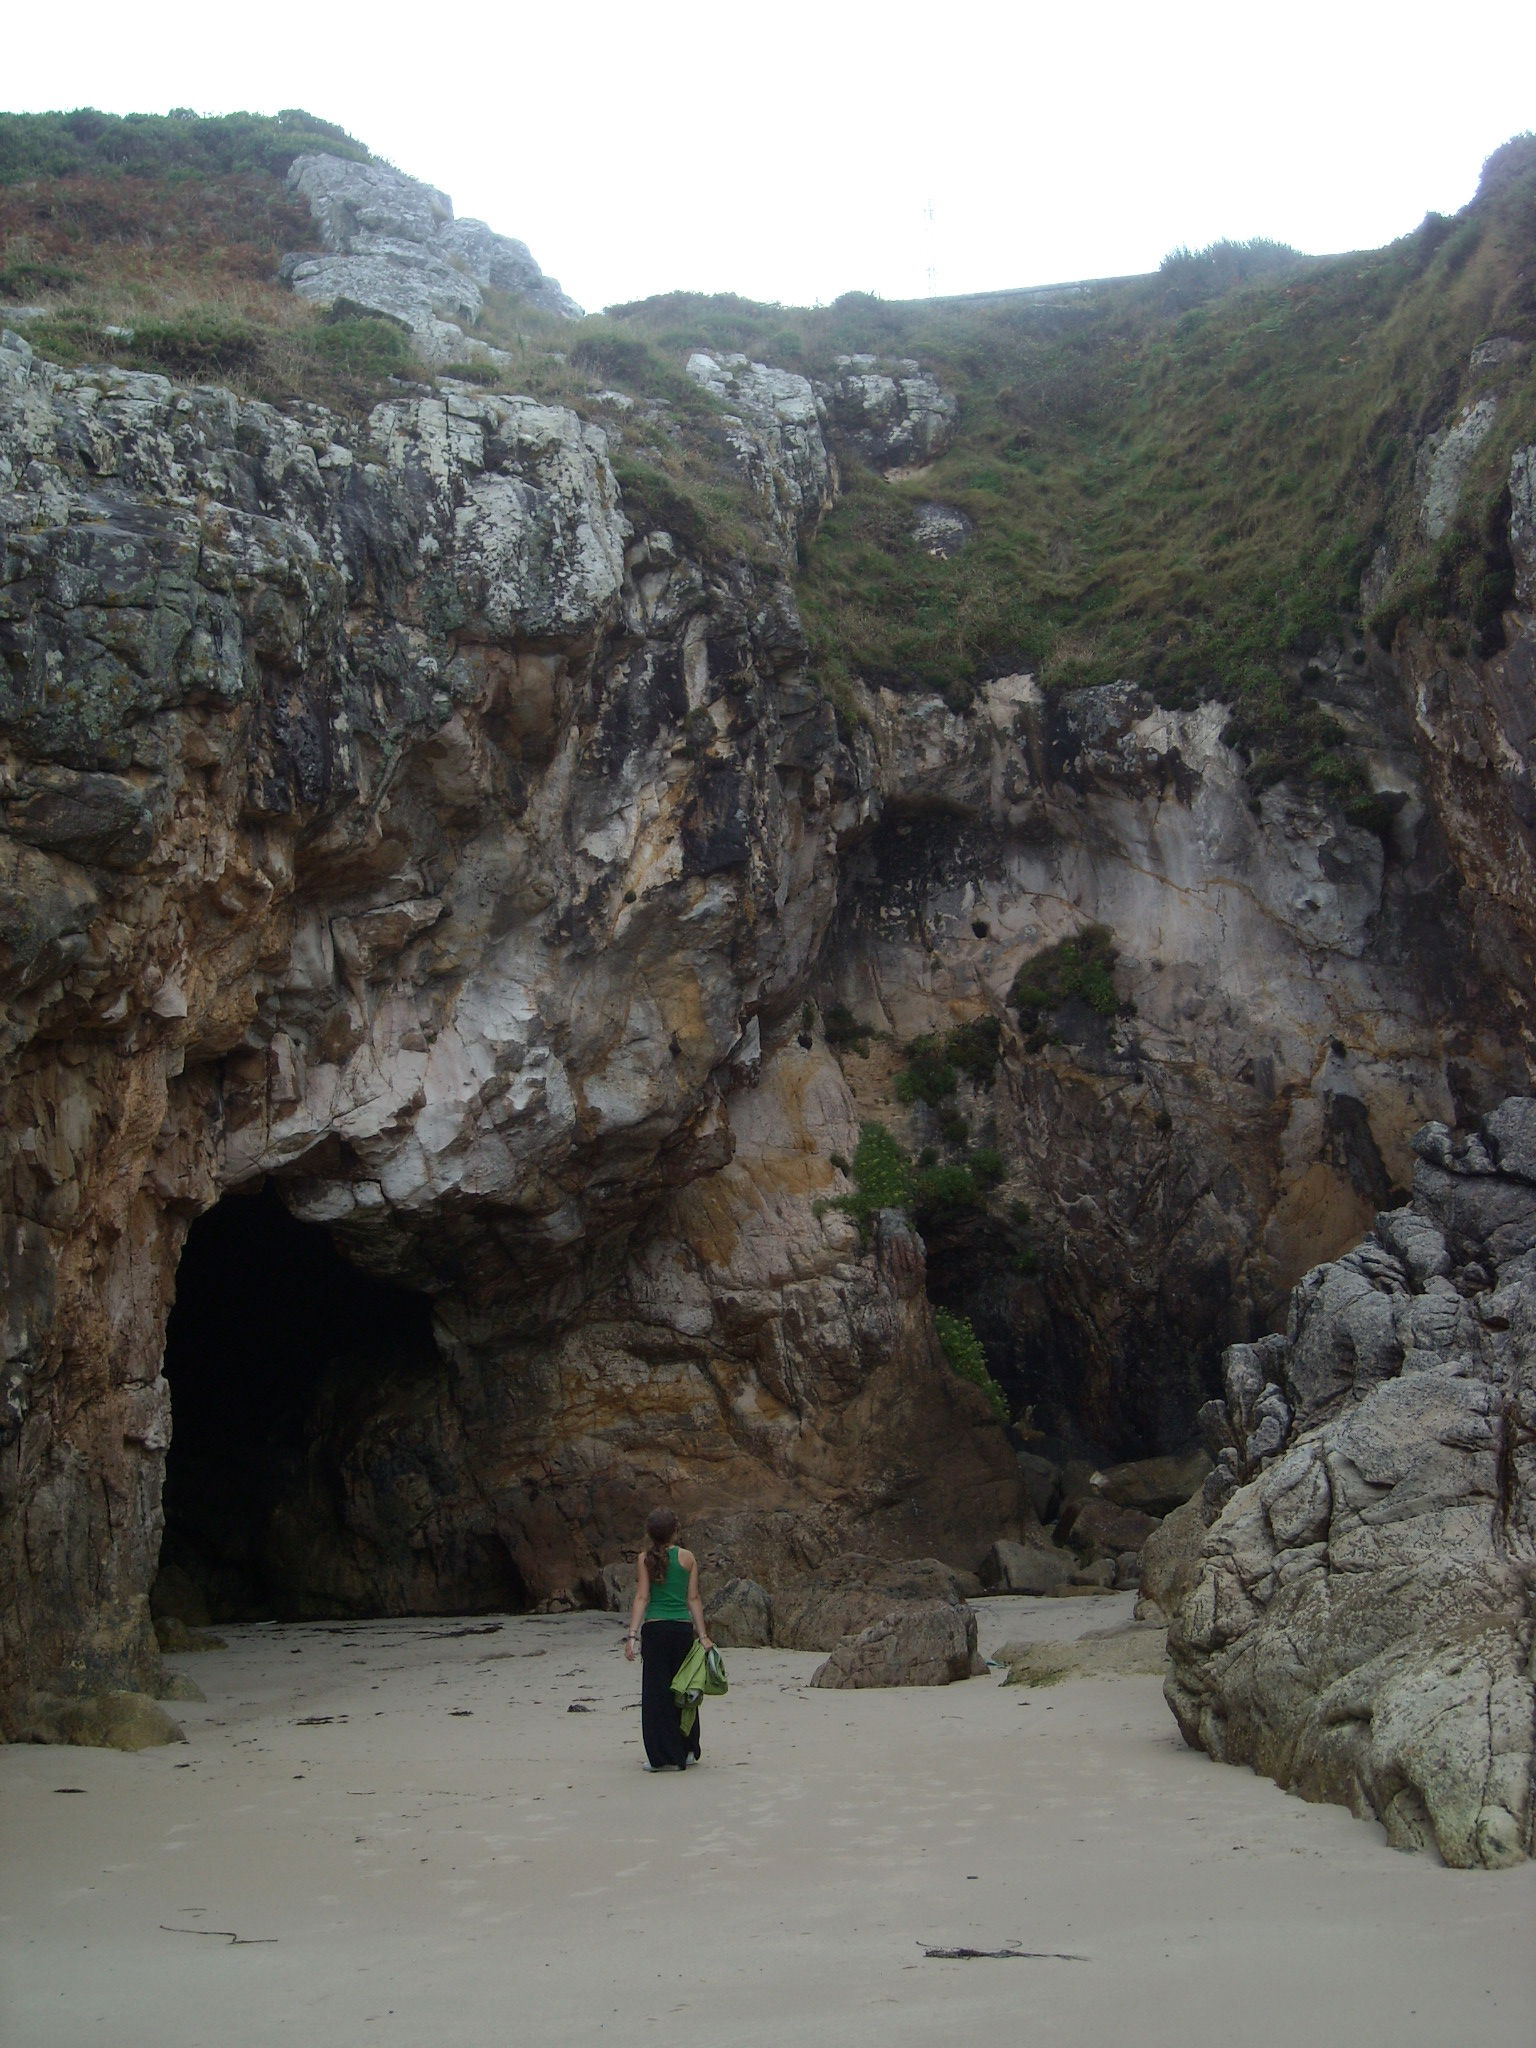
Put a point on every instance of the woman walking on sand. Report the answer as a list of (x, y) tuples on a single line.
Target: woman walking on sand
[(664, 1620)]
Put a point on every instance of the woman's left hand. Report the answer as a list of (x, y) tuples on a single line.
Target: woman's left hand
[(629, 1649)]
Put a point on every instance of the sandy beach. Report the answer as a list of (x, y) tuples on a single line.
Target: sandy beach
[(416, 1841)]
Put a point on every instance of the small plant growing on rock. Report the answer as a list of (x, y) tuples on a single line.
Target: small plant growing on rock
[(935, 1065), (882, 1178), (1081, 967), (844, 1032), (962, 1348), (928, 1075), (974, 1048)]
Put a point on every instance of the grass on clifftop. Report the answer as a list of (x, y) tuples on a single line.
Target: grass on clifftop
[(180, 144), (1176, 480)]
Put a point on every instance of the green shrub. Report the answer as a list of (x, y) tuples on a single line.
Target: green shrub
[(59, 145), (198, 346), (653, 499), (928, 1076), (1191, 276), (24, 278), (1081, 967), (974, 1048), (362, 345), (934, 1064), (988, 1168), (482, 372), (844, 1032), (962, 1348), (941, 1193), (882, 1177)]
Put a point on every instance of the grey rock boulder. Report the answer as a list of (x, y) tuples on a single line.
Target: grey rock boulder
[(740, 1615), (850, 1593), (1137, 1650), (1169, 1564), (926, 1642), (1042, 1484), (176, 1685), (1155, 1486), (1103, 1526), (108, 1720), (941, 530), (616, 1586), (773, 426), (392, 247), (1026, 1568)]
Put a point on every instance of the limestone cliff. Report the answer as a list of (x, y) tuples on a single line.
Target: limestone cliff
[(472, 858), (1295, 995), (385, 814)]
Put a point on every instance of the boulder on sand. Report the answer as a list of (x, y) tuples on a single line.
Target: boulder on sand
[(616, 1586), (1101, 1525), (847, 1594), (924, 1642), (1133, 1651), (107, 1720), (1155, 1485), (1026, 1567), (740, 1615)]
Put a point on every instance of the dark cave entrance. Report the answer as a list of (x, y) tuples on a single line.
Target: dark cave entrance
[(272, 1348)]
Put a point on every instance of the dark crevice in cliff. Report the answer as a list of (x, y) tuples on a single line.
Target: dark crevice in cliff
[(269, 1328)]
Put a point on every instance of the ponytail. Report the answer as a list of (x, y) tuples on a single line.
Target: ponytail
[(660, 1528)]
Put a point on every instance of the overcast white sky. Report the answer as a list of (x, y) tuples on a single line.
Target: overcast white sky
[(794, 151)]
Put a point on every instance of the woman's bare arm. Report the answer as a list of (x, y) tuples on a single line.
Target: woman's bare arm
[(637, 1609), (695, 1604)]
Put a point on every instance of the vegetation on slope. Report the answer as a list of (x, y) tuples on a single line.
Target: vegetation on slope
[(1177, 480), (180, 144)]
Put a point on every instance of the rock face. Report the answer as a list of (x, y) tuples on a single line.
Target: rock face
[(1026, 1568), (393, 247), (1292, 995), (1361, 1625), (384, 815), (396, 826)]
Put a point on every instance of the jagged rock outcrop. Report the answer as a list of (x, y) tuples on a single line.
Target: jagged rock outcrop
[(775, 431), (383, 814), (894, 416), (1362, 1620), (393, 247)]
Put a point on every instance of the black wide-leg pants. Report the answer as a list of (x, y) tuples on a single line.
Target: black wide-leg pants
[(663, 1646)]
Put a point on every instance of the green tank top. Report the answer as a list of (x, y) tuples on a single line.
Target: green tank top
[(669, 1600)]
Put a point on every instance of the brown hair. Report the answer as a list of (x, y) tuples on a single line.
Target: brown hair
[(660, 1528)]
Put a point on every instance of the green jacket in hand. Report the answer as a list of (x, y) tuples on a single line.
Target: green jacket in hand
[(701, 1672)]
